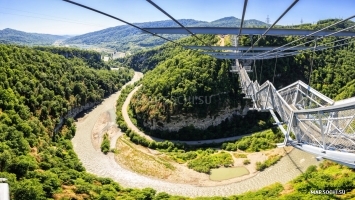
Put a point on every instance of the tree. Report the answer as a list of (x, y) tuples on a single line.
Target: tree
[(105, 144), (29, 189)]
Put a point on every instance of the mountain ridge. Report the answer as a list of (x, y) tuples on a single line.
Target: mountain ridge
[(9, 35), (121, 38)]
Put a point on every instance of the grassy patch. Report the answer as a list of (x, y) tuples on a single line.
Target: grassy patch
[(205, 161), (240, 155), (273, 159), (141, 162), (256, 142)]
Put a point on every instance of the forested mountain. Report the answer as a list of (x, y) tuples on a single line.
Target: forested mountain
[(40, 85), (92, 58), (11, 36), (177, 72), (37, 88), (127, 38), (179, 77), (235, 22)]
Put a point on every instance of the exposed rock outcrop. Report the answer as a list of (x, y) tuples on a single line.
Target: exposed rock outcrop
[(179, 121)]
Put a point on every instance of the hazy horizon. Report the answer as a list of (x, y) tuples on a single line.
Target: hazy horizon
[(61, 18)]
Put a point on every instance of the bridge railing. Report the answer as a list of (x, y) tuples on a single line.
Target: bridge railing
[(318, 124), (328, 128)]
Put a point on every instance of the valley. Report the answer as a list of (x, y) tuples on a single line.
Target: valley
[(290, 166), (118, 114)]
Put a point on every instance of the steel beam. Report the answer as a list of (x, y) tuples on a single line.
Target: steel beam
[(240, 57), (244, 48), (246, 31), (251, 56), (245, 54)]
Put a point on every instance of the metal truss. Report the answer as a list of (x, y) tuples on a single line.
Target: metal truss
[(246, 31), (314, 122), (319, 125), (244, 48)]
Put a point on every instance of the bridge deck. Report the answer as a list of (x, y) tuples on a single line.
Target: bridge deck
[(320, 125)]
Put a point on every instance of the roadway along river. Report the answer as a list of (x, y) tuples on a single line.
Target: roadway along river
[(102, 165)]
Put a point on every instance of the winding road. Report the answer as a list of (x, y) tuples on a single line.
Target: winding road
[(103, 165)]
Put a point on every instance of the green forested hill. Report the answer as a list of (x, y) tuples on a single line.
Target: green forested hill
[(92, 58), (235, 22), (127, 38), (36, 89), (179, 74), (184, 74), (19, 37)]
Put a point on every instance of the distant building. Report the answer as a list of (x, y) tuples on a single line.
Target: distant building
[(106, 58)]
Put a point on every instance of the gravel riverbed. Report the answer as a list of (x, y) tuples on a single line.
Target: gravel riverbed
[(103, 165)]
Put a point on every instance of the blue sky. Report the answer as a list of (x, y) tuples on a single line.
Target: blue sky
[(59, 17)]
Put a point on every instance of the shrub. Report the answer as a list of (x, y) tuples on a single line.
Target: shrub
[(105, 145), (246, 162), (260, 166)]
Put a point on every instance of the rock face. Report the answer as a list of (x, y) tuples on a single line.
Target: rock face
[(179, 121), (73, 113)]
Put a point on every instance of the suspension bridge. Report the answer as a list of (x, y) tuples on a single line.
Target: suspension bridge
[(316, 123), (309, 120)]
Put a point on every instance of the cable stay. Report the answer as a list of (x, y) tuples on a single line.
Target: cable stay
[(274, 71), (321, 126), (312, 58), (176, 21)]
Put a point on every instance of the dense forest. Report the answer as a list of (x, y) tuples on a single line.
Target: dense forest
[(92, 58), (37, 88), (184, 74), (174, 72)]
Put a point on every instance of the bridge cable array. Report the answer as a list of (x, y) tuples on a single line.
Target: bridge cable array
[(176, 21), (309, 35), (278, 19)]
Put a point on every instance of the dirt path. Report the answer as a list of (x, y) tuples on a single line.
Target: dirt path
[(102, 165)]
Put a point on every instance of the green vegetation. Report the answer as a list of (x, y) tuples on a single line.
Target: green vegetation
[(92, 58), (199, 160), (128, 39), (168, 89), (208, 160), (260, 166), (157, 99), (237, 125), (181, 74), (263, 140), (11, 36), (332, 71), (37, 89), (166, 145), (240, 155), (120, 101), (246, 162), (105, 145)]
